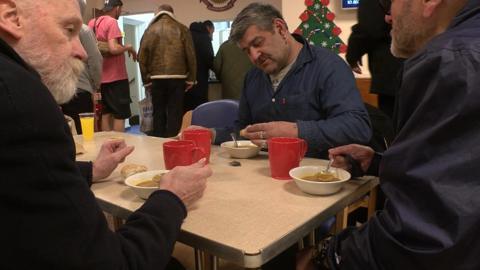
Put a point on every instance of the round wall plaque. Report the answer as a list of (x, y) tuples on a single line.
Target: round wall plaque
[(219, 5)]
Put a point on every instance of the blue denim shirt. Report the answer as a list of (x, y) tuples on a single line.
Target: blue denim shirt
[(318, 93)]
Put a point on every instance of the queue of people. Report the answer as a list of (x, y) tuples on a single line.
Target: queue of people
[(294, 89)]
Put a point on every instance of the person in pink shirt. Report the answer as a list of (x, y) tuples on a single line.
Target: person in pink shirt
[(115, 87)]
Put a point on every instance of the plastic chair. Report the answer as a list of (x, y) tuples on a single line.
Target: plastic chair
[(217, 113)]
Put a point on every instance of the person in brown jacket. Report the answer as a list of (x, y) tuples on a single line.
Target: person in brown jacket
[(168, 66)]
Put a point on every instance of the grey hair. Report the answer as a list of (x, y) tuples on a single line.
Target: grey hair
[(258, 14), (83, 6)]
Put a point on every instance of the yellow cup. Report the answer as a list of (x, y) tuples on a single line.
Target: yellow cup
[(87, 122)]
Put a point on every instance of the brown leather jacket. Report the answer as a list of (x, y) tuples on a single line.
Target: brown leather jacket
[(166, 50)]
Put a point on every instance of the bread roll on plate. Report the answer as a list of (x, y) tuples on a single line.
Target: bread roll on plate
[(131, 169)]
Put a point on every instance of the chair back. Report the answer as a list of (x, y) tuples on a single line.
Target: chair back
[(217, 113)]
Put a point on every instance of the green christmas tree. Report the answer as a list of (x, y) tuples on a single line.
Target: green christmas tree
[(317, 26)]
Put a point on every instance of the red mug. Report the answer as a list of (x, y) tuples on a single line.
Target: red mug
[(285, 154), (201, 137), (181, 153)]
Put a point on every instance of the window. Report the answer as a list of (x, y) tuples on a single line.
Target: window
[(221, 34)]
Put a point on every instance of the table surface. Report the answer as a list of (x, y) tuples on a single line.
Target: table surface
[(245, 216)]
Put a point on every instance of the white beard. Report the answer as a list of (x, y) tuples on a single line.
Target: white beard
[(62, 79), (62, 83)]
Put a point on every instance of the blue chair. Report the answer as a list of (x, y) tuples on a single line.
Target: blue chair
[(217, 113)]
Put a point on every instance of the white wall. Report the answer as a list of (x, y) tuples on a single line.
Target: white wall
[(186, 11)]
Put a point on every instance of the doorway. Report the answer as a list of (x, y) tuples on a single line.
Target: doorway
[(133, 27)]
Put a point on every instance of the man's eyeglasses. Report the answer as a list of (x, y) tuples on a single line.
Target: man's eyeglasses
[(386, 5)]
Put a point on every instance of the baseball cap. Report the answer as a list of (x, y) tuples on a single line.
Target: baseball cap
[(110, 4)]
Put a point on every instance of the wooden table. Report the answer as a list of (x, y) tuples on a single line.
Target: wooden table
[(245, 216)]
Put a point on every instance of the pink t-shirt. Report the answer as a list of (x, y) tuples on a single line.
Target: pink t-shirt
[(114, 68)]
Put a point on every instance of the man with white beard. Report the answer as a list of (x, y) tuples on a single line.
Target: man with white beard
[(50, 217)]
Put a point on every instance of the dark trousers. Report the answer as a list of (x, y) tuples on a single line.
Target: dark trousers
[(196, 96), (386, 104), (167, 101), (81, 102)]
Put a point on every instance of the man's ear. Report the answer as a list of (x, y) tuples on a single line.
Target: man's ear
[(281, 26), (10, 22), (429, 7)]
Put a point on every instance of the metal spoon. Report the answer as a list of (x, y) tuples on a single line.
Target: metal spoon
[(329, 164), (234, 137)]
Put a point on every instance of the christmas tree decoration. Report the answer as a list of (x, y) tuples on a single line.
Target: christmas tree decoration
[(318, 28), (330, 16)]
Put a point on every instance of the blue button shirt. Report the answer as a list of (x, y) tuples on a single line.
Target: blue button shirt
[(318, 93)]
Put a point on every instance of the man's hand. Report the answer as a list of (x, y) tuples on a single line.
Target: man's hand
[(356, 67), (111, 154), (188, 86), (131, 52), (187, 182), (362, 154), (258, 133)]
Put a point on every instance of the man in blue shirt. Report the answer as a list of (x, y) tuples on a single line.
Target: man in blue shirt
[(296, 90)]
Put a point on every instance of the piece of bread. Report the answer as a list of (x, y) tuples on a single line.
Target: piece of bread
[(131, 169), (243, 132)]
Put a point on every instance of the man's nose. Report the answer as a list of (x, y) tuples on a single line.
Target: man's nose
[(78, 51), (388, 18), (254, 55)]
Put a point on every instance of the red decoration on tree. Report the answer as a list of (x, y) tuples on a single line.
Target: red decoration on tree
[(304, 17), (330, 16), (308, 3), (336, 31), (343, 48), (325, 2)]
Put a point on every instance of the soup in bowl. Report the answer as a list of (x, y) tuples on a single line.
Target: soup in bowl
[(145, 183), (314, 179), (245, 149)]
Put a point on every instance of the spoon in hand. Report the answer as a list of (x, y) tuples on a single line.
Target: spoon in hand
[(327, 169)]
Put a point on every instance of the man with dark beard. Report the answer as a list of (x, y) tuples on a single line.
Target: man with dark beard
[(50, 217), (430, 173)]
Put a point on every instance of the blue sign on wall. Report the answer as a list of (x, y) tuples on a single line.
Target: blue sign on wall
[(350, 3)]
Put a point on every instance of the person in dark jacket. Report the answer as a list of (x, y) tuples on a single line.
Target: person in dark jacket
[(371, 36), (430, 173), (295, 90), (51, 218), (202, 42)]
